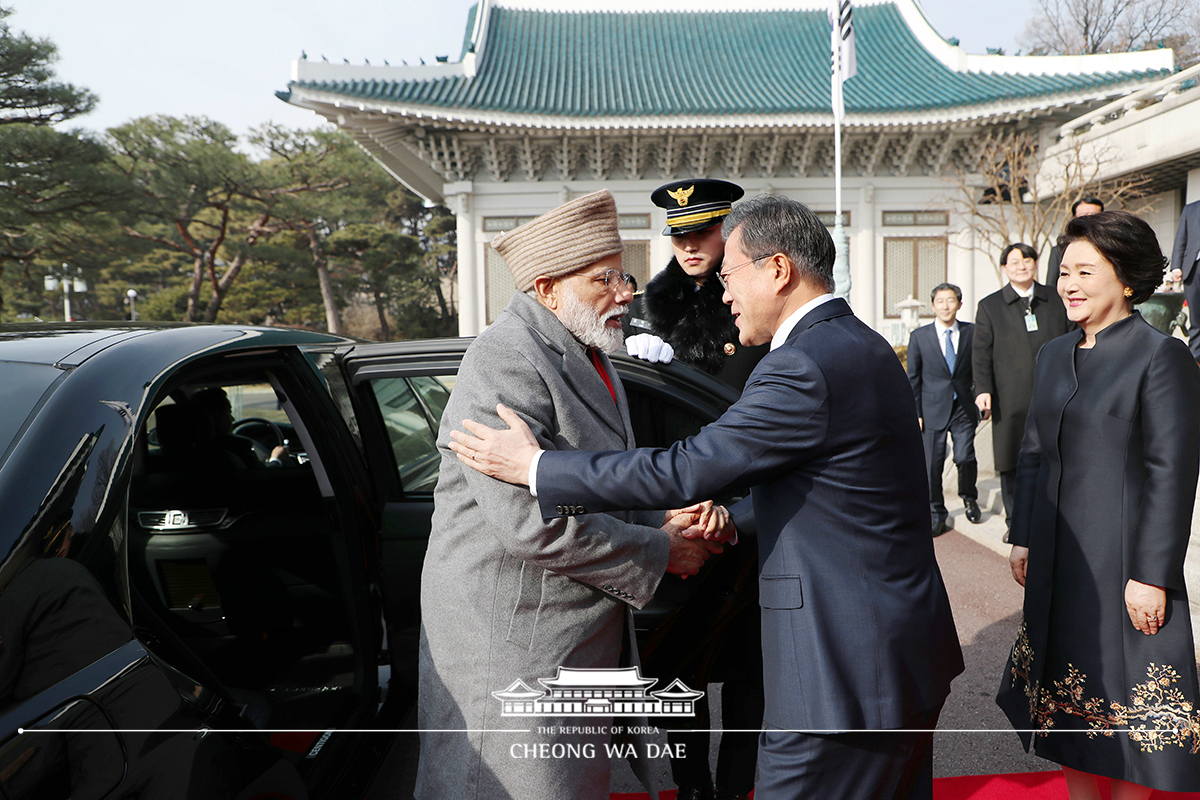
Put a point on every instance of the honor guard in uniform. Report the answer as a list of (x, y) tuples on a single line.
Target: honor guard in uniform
[(714, 636), (682, 305)]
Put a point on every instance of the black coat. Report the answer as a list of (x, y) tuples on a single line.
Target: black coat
[(933, 385), (1187, 242), (1002, 359), (694, 320), (1105, 489), (1052, 265)]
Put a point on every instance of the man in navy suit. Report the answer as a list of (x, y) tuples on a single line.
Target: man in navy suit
[(939, 369), (1184, 257), (859, 646)]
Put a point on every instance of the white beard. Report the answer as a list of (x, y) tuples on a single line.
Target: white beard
[(589, 327)]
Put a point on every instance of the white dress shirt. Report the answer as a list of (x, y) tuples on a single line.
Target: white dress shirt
[(941, 335), (785, 329)]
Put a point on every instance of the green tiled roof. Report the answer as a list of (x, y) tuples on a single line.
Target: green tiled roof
[(469, 31), (612, 64)]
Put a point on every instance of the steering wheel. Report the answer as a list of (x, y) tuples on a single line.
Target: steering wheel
[(276, 434)]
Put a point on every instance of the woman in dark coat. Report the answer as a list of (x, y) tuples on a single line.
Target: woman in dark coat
[(1105, 488), (1011, 325)]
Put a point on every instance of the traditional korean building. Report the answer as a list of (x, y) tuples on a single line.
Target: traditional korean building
[(597, 692), (550, 99)]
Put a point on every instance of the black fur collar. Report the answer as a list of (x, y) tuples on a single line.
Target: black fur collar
[(694, 320)]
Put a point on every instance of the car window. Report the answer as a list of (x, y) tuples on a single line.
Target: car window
[(411, 433), (435, 392), (326, 368), (656, 420)]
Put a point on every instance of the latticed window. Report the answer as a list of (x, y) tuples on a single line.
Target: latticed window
[(636, 261), (912, 266), (500, 284)]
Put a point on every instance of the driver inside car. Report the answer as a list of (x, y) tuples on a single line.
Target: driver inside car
[(214, 401)]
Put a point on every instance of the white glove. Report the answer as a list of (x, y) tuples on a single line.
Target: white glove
[(649, 347)]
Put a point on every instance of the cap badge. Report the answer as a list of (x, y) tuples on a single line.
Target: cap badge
[(681, 195), (729, 348)]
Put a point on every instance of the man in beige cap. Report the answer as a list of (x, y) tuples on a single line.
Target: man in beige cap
[(505, 596)]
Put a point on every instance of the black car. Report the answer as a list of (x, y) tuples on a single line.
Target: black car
[(212, 541)]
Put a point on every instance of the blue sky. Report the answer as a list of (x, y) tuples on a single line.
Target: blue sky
[(224, 59)]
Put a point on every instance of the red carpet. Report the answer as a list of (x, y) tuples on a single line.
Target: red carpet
[(1022, 786), (1048, 785)]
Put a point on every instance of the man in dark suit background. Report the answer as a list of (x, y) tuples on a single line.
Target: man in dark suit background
[(939, 369), (1011, 325), (859, 645), (1082, 207), (1183, 266)]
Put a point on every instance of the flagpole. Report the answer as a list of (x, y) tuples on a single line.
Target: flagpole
[(841, 264)]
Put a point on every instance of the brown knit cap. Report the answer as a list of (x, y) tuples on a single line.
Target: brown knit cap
[(573, 236)]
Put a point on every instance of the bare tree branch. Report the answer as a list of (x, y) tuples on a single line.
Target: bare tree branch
[(999, 202), (1084, 27)]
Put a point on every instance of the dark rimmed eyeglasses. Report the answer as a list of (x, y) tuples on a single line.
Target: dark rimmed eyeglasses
[(723, 275), (613, 277)]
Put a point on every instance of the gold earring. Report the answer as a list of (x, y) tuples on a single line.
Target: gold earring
[(1128, 292)]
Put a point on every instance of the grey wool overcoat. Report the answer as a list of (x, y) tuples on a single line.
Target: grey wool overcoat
[(506, 596)]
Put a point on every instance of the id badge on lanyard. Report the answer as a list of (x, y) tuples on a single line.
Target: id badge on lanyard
[(1030, 319)]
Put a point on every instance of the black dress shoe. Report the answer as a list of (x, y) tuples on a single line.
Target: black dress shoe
[(940, 527), (694, 793), (973, 512)]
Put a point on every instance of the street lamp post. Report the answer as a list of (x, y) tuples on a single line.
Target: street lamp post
[(67, 282), (132, 295)]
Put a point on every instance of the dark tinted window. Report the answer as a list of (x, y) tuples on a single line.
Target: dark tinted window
[(20, 390), (410, 432)]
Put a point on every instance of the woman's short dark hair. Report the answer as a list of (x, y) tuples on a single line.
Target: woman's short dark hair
[(1128, 243), (1026, 251)]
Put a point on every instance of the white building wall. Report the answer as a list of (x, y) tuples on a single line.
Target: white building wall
[(866, 198), (1162, 214)]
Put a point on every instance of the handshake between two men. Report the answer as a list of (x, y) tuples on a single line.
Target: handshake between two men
[(695, 532)]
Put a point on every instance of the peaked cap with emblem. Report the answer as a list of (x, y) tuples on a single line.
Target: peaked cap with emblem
[(565, 240), (697, 204)]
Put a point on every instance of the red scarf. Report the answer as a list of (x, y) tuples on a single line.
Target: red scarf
[(603, 374)]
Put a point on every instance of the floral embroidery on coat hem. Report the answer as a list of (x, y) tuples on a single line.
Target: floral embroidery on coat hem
[(1158, 715)]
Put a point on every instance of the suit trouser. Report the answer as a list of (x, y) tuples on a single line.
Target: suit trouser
[(1008, 493), (864, 765), (741, 711), (1191, 292), (962, 433)]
